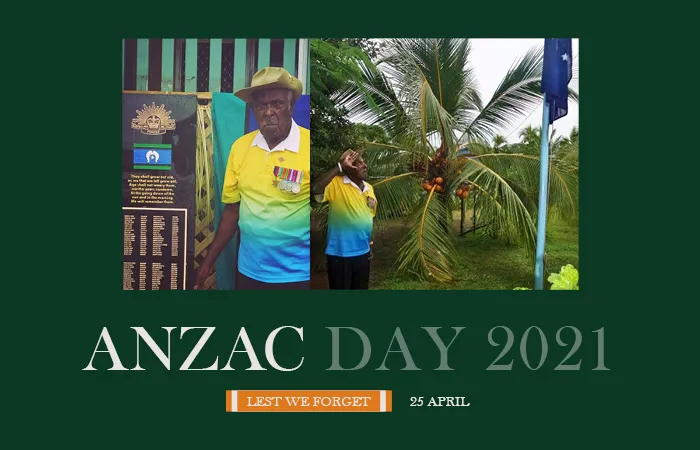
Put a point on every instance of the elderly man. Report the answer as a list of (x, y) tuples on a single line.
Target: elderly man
[(266, 191), (353, 207)]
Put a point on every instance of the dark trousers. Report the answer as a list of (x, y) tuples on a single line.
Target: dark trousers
[(348, 273), (244, 283)]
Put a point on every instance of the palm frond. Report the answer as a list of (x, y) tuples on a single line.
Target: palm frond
[(394, 95), (396, 195), (436, 118), (395, 183), (516, 95), (427, 248), (503, 207), (443, 63), (563, 194), (374, 101), (522, 173)]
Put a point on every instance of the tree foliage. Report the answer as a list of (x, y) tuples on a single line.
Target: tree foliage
[(424, 94)]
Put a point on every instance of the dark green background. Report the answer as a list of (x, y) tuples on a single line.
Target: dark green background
[(70, 286)]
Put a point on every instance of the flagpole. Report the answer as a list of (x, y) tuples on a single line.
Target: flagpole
[(542, 206)]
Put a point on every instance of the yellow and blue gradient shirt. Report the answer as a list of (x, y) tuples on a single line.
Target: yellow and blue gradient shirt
[(350, 217), (273, 222)]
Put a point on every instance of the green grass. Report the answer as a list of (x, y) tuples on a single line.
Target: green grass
[(483, 262)]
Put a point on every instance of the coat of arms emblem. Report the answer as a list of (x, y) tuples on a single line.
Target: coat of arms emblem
[(153, 120)]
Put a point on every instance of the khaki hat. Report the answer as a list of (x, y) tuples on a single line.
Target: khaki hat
[(270, 78)]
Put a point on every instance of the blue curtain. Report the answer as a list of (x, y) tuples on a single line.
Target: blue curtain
[(228, 113)]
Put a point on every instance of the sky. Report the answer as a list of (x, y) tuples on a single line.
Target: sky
[(491, 59)]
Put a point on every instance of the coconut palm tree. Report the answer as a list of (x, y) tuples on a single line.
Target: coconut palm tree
[(531, 139), (424, 94), (531, 136), (499, 143)]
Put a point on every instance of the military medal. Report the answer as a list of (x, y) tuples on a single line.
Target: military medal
[(288, 180)]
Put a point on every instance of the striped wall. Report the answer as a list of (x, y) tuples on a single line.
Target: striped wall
[(208, 65)]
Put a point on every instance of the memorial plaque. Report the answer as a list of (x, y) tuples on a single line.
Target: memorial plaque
[(159, 141)]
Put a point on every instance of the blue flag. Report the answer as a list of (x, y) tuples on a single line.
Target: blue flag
[(556, 75)]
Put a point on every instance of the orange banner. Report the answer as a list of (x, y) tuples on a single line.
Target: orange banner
[(308, 401)]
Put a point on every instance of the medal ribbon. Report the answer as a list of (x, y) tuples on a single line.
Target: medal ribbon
[(293, 175)]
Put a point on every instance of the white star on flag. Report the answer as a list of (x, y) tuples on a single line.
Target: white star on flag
[(564, 57)]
